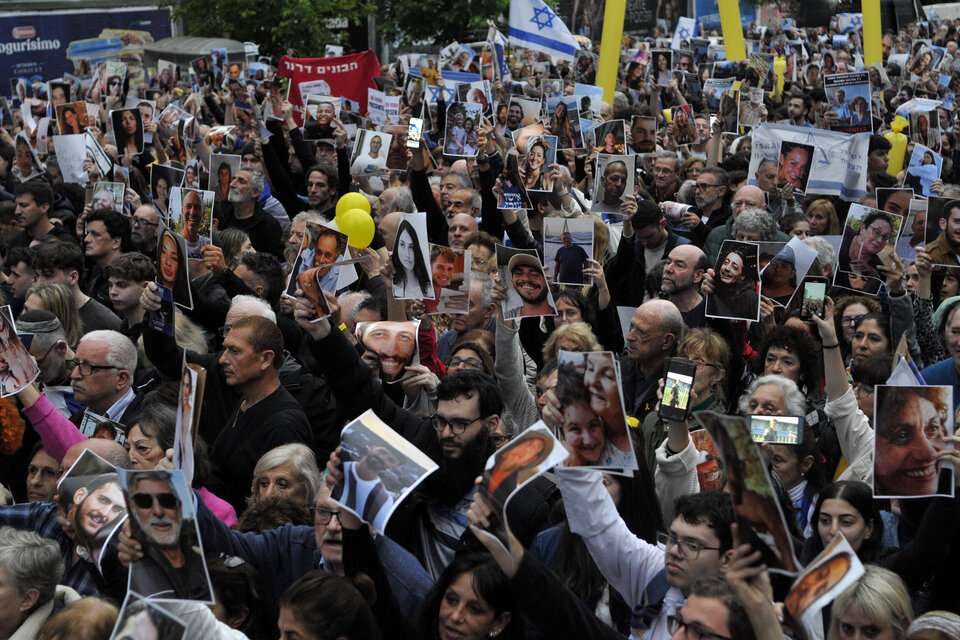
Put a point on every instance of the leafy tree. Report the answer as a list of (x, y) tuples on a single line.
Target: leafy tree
[(436, 21)]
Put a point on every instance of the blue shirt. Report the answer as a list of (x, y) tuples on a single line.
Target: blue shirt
[(944, 373)]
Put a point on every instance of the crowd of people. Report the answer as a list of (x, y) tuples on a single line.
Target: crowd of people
[(116, 300)]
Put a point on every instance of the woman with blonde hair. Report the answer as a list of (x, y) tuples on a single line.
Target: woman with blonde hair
[(823, 220), (55, 298), (878, 600), (575, 336), (288, 471)]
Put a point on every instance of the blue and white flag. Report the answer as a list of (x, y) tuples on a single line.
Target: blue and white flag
[(535, 26), (499, 43), (686, 29), (849, 21)]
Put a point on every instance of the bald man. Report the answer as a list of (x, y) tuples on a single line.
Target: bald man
[(388, 227), (462, 226), (746, 197), (682, 276), (655, 329)]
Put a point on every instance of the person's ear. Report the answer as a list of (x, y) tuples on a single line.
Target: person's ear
[(29, 600), (724, 562), (237, 620), (492, 423), (124, 379), (79, 495), (499, 623), (806, 464), (74, 277), (61, 348), (258, 290), (698, 275)]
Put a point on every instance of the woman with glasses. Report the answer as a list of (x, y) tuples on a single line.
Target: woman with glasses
[(849, 310), (860, 249)]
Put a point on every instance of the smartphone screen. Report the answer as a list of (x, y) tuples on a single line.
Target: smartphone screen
[(776, 429), (676, 390), (413, 132), (814, 292)]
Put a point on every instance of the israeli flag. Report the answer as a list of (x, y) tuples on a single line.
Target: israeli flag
[(847, 22), (686, 29), (535, 26)]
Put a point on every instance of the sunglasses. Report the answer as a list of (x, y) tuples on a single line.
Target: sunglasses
[(145, 500)]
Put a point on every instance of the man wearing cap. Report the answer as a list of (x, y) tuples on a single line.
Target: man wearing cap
[(528, 294), (946, 248), (51, 351), (780, 276)]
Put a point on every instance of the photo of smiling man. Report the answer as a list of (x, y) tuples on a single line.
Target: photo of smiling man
[(794, 168), (528, 294), (163, 522), (391, 347), (91, 496)]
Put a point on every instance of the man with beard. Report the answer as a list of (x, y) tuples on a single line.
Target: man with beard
[(172, 566), (430, 522), (243, 211), (570, 260), (514, 116), (529, 294), (96, 506), (780, 202), (711, 199), (362, 491), (681, 280), (143, 229), (643, 130), (946, 248), (442, 267)]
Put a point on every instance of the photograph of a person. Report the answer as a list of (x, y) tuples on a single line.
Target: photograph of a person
[(461, 130), (531, 453), (924, 168), (309, 282), (594, 427), (848, 96), (92, 499), (829, 574), (17, 368), (369, 152), (477, 92), (902, 202), (413, 91), (162, 179), (684, 130), (141, 619), (661, 66), (127, 131), (942, 231), (912, 424), (780, 277), (528, 293), (610, 137), (615, 183), (676, 390), (758, 513), (222, 168), (869, 241), (391, 347), (113, 76), (26, 163), (750, 109), (172, 266), (162, 319), (191, 216), (412, 277), (321, 248), (776, 429), (563, 118), (380, 469), (541, 152), (183, 436), (735, 281), (925, 128), (71, 118), (512, 193), (162, 520), (451, 280), (108, 196), (567, 245), (320, 113), (794, 166)]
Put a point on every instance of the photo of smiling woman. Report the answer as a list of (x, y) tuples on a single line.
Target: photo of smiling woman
[(412, 280), (594, 427), (735, 281), (912, 426), (128, 131)]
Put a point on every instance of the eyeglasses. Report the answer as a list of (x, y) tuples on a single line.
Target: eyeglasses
[(688, 550), (457, 425), (878, 235), (861, 389), (86, 368), (140, 222), (702, 186), (701, 363), (146, 500), (322, 515), (472, 363), (851, 320), (691, 630)]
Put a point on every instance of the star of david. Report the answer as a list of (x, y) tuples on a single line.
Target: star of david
[(543, 18), (684, 33)]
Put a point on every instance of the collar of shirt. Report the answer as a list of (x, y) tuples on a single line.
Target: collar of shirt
[(116, 411)]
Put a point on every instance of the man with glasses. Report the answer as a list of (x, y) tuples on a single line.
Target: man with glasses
[(171, 566), (945, 250), (431, 521), (143, 230), (102, 377), (666, 176), (51, 351), (654, 580), (711, 200)]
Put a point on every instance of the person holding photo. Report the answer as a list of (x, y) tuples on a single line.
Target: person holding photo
[(735, 295), (370, 162), (411, 279), (859, 252)]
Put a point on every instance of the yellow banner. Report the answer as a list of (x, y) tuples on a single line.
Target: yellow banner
[(733, 29), (609, 62), (872, 34)]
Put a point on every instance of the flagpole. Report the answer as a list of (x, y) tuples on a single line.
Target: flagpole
[(609, 63)]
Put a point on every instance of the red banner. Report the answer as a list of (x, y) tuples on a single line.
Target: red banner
[(347, 76)]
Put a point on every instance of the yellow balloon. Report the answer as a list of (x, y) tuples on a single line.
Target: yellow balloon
[(352, 200), (357, 224)]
